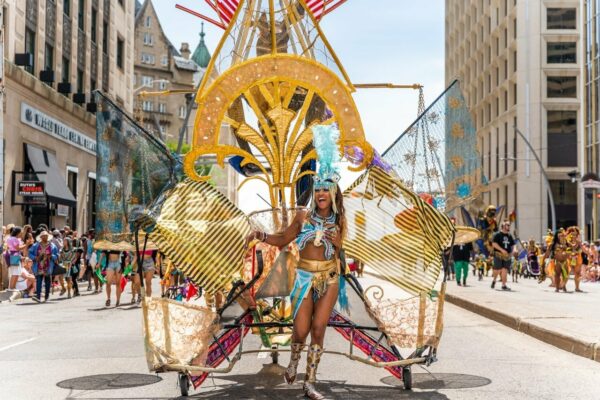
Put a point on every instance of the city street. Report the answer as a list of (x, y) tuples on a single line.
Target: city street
[(77, 349)]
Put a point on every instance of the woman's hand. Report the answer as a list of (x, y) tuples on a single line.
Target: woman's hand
[(335, 238), (250, 238)]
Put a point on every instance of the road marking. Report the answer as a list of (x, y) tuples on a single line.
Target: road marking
[(10, 346)]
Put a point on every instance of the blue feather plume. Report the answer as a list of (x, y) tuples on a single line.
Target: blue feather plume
[(325, 140)]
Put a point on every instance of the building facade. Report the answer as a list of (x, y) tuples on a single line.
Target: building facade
[(56, 52), (591, 145), (519, 64), (160, 66)]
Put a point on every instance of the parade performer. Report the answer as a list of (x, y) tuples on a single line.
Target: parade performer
[(488, 227), (480, 265), (503, 244), (575, 254), (559, 254), (533, 256), (545, 268), (319, 234)]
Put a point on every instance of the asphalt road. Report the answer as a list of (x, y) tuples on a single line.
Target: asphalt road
[(77, 349)]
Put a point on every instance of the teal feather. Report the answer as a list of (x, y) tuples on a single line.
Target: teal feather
[(325, 140)]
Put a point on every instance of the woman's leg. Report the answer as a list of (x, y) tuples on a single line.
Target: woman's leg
[(75, 284), (118, 283), (12, 282), (109, 279), (322, 311), (577, 276), (148, 282), (38, 286), (300, 332), (321, 314)]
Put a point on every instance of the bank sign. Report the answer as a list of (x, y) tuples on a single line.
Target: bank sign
[(36, 119)]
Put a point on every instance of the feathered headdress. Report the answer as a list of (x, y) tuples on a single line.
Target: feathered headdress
[(325, 140)]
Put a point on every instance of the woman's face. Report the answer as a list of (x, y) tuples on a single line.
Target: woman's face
[(323, 199)]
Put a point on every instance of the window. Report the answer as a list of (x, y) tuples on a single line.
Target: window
[(146, 80), (562, 138), (66, 70), (147, 105), (562, 86), (147, 58), (561, 53), (182, 112), (165, 60), (49, 57), (565, 202), (93, 84), (105, 37), (94, 25), (30, 48), (162, 108), (67, 7), (79, 81), (148, 39), (81, 15), (561, 18), (162, 85), (120, 52), (147, 23)]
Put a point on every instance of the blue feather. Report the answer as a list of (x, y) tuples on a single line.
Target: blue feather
[(325, 140)]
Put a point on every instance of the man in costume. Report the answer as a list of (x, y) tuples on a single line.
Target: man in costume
[(319, 283), (502, 243), (488, 226)]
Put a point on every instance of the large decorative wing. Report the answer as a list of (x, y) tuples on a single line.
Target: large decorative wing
[(395, 232), (201, 231), (437, 156), (132, 170)]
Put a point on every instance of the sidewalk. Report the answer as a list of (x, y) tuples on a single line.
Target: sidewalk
[(569, 321)]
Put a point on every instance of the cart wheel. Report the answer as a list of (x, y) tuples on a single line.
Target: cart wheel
[(184, 384), (407, 378)]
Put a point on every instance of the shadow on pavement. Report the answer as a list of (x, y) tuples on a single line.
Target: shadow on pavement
[(109, 381), (441, 381), (268, 384)]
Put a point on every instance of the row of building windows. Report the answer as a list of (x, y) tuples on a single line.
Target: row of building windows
[(561, 144), (150, 59)]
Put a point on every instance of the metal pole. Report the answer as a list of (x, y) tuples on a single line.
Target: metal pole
[(188, 112), (549, 189)]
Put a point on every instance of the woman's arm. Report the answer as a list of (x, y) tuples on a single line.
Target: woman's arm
[(280, 239)]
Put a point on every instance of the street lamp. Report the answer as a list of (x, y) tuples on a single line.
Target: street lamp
[(544, 174), (150, 84)]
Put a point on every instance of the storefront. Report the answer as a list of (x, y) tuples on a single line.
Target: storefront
[(50, 158)]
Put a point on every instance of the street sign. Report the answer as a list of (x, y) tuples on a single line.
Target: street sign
[(31, 189)]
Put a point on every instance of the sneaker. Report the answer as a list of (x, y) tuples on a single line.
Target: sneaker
[(464, 282), (504, 287), (36, 299), (493, 284), (458, 283)]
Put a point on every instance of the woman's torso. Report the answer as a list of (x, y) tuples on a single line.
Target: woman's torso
[(310, 225)]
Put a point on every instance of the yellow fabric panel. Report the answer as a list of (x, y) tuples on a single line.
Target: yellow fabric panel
[(393, 231), (203, 233)]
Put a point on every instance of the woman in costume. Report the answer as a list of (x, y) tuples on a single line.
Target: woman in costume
[(575, 254), (319, 284), (558, 253)]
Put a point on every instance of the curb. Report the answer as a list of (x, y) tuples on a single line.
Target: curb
[(564, 342)]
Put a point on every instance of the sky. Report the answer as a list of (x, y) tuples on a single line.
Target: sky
[(377, 41)]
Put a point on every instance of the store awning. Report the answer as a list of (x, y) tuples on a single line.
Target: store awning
[(57, 190)]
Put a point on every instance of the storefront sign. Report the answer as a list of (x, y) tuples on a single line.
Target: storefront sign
[(31, 189), (62, 210), (36, 119)]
